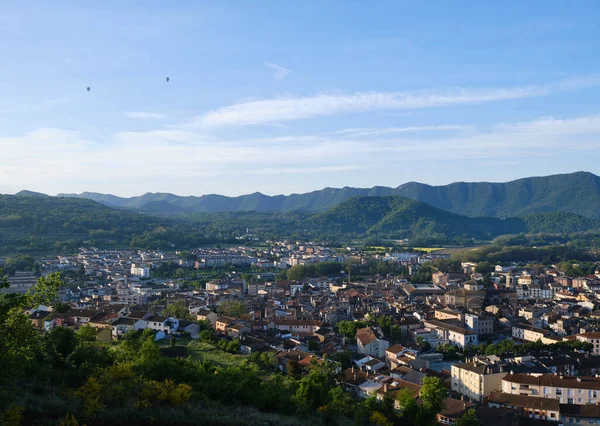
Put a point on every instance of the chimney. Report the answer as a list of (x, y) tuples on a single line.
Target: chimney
[(385, 388)]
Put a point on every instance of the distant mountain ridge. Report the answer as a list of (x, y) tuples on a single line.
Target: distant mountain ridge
[(577, 192)]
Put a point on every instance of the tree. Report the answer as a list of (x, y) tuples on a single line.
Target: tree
[(433, 394), (233, 308), (314, 346), (312, 390), (149, 351), (207, 336), (340, 403), (63, 341), (293, 368), (87, 333), (395, 333), (177, 310), (385, 322), (349, 328), (468, 419)]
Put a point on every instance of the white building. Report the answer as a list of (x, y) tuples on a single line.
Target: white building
[(142, 271)]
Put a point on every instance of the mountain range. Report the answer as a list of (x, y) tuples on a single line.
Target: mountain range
[(575, 192)]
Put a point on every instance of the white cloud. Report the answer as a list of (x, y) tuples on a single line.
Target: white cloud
[(56, 160), (297, 108), (373, 131), (279, 72), (141, 115)]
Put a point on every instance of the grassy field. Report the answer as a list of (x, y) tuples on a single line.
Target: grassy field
[(204, 351), (429, 249)]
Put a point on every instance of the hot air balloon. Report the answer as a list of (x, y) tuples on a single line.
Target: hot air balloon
[(89, 88), (167, 79)]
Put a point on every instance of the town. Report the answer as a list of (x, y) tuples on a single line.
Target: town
[(510, 342)]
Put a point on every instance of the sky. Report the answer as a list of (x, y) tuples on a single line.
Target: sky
[(292, 96)]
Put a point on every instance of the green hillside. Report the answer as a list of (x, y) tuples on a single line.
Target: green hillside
[(576, 193), (399, 217), (33, 224)]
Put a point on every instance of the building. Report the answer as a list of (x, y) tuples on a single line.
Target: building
[(20, 282), (142, 271), (592, 337), (565, 389), (479, 324), (445, 314), (532, 407), (476, 380), (369, 341), (529, 333), (458, 336), (465, 298)]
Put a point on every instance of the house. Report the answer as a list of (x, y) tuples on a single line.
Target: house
[(207, 315), (533, 407), (298, 326), (122, 325), (567, 389), (164, 324), (592, 337), (529, 333), (393, 353), (453, 410), (579, 414), (458, 336), (222, 324), (369, 340), (480, 324), (445, 314)]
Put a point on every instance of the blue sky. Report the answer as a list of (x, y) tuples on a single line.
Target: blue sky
[(284, 97)]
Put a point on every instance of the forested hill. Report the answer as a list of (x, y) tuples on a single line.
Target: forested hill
[(34, 224), (576, 192), (30, 223)]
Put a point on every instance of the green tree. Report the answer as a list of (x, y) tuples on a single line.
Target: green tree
[(468, 419), (349, 328), (207, 336), (87, 333), (313, 390), (177, 310), (433, 393)]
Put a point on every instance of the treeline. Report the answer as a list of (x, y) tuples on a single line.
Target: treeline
[(497, 253)]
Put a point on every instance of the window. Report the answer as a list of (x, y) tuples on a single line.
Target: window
[(552, 415), (558, 391)]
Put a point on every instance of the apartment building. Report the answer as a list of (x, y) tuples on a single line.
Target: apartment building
[(476, 380)]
